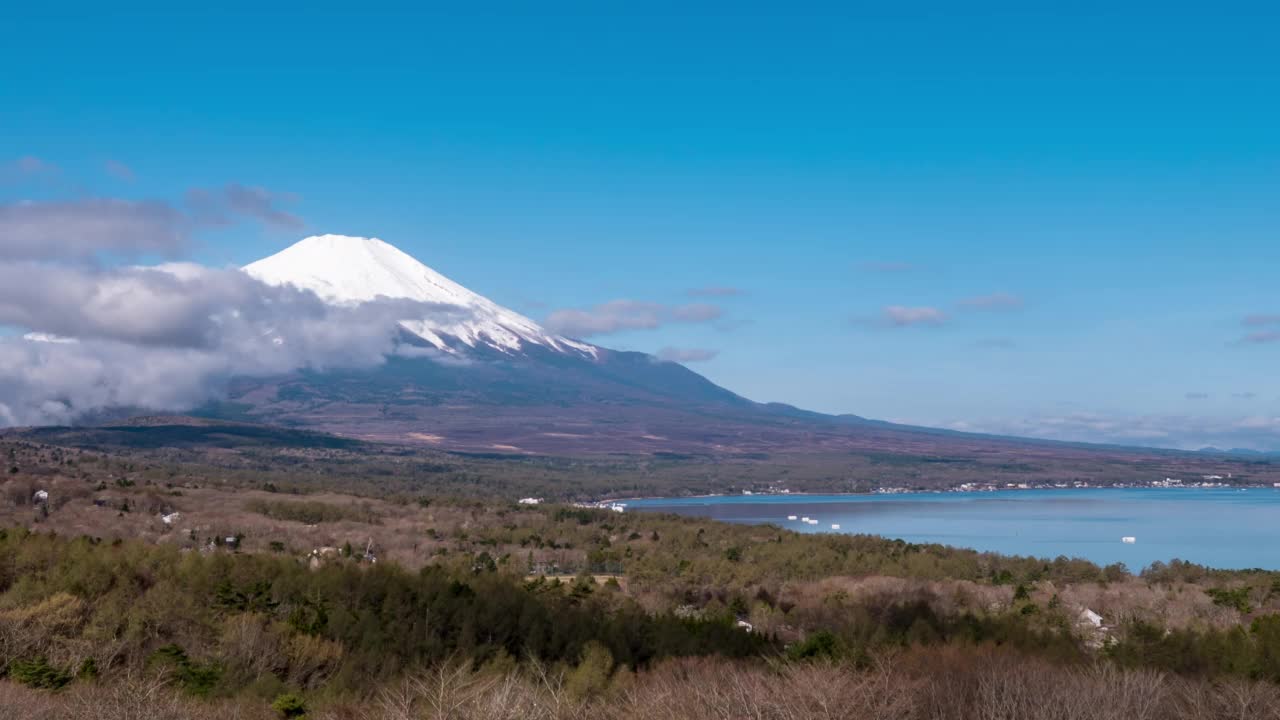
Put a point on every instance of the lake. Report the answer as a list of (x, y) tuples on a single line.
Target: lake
[(1219, 527)]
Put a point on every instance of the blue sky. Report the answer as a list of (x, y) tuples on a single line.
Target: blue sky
[(1059, 221)]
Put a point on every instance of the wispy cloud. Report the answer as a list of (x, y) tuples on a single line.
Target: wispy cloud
[(1197, 396), (996, 343), (83, 228), (1261, 319), (882, 266), (1248, 395), (27, 166), (119, 170), (993, 301), (260, 203), (30, 170), (696, 313), (619, 315), (686, 355), (1262, 337), (902, 316), (715, 291), (216, 206)]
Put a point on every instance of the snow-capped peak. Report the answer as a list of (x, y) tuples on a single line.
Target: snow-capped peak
[(345, 270)]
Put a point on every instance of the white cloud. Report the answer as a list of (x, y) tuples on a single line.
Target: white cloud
[(86, 228), (1262, 337), (82, 229), (902, 316), (27, 167), (620, 315), (686, 355), (167, 338), (1262, 319), (218, 326), (217, 206), (119, 170)]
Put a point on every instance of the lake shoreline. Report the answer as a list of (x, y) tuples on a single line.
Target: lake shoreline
[(1218, 527), (949, 491)]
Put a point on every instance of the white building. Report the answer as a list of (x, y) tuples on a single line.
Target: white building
[(1090, 617)]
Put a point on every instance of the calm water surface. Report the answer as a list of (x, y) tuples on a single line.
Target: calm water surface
[(1225, 528)]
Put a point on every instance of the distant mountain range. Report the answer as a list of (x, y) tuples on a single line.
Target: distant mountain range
[(1239, 452)]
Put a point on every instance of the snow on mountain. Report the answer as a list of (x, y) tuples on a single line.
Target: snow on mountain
[(345, 270)]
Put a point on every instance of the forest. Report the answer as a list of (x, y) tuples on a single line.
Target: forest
[(211, 630), (136, 592)]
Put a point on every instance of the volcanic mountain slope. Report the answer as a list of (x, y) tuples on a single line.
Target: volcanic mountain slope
[(472, 374), (350, 270), (469, 375)]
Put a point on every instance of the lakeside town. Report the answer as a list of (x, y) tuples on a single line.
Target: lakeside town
[(1211, 481)]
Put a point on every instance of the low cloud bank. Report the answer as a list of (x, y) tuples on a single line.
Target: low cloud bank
[(81, 335), (1259, 432), (152, 339)]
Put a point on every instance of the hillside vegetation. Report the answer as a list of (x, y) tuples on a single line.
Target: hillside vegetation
[(230, 595), (193, 449)]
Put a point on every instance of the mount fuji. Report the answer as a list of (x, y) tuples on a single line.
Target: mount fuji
[(350, 270), (477, 376), (464, 374)]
